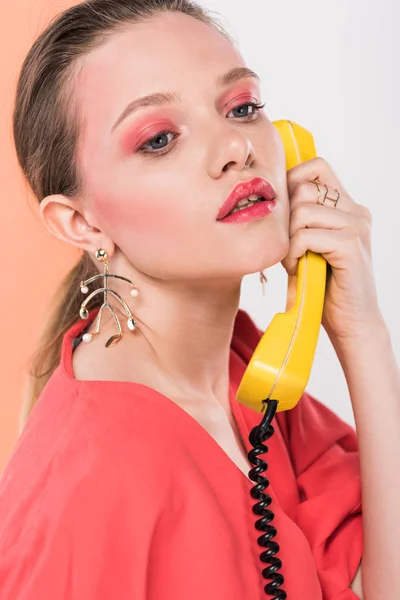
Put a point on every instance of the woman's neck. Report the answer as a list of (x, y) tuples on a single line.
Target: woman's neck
[(181, 343)]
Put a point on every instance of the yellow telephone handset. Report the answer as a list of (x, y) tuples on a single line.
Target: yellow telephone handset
[(281, 364)]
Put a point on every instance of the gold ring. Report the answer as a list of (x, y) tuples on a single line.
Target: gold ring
[(316, 182), (334, 200)]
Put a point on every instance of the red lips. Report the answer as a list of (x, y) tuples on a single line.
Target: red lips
[(257, 186)]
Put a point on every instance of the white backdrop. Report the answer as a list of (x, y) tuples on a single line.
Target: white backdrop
[(332, 67)]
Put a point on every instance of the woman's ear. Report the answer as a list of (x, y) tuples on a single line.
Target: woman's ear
[(63, 218)]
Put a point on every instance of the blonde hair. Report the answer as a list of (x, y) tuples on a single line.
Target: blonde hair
[(46, 131)]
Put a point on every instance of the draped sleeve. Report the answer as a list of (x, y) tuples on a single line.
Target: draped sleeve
[(325, 459)]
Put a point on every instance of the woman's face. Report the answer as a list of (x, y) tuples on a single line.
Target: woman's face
[(154, 183)]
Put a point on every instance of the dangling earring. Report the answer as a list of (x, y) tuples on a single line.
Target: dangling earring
[(263, 280), (102, 256)]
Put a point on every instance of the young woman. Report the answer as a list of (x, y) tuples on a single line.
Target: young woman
[(134, 122)]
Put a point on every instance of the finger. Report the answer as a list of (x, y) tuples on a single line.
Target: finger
[(340, 247), (307, 191), (306, 215), (312, 169)]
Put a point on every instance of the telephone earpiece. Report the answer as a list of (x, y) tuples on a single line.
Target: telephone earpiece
[(281, 363)]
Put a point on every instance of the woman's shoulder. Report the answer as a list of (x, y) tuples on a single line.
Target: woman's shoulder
[(77, 487), (87, 436)]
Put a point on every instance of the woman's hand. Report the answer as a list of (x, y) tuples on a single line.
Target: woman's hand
[(343, 236)]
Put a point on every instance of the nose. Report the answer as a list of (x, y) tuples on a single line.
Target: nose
[(234, 151)]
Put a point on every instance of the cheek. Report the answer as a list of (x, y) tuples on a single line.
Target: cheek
[(141, 216)]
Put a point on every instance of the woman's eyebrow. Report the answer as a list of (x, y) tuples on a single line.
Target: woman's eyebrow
[(161, 98)]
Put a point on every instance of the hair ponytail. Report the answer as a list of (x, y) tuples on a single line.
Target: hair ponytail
[(67, 302)]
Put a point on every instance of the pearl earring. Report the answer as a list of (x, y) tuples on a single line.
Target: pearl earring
[(102, 256)]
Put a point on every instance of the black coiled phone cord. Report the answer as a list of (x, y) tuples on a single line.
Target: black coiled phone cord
[(257, 436)]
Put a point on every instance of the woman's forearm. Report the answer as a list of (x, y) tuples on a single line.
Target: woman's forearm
[(373, 379)]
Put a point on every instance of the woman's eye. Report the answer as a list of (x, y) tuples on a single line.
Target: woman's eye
[(155, 145), (256, 108)]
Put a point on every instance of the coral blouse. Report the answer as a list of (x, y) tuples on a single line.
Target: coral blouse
[(114, 492)]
